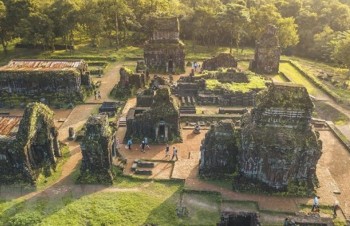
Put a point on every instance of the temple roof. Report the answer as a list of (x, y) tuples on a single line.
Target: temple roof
[(43, 65), (166, 24), (284, 95), (9, 126)]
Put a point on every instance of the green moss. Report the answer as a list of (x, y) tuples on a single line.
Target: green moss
[(255, 82)]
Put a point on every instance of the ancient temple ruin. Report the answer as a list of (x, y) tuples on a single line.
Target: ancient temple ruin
[(267, 53), (28, 145), (224, 87), (97, 147), (129, 80), (219, 150), (159, 122), (223, 60), (164, 52), (278, 142), (51, 79)]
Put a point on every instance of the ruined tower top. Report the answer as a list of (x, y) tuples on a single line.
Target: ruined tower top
[(166, 28), (269, 38)]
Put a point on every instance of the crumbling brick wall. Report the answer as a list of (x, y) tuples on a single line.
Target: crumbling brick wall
[(97, 144), (33, 149)]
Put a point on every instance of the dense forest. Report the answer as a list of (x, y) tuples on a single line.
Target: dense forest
[(319, 29)]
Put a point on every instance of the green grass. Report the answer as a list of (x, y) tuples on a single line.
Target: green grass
[(255, 82), (200, 53), (204, 208), (133, 202), (294, 75), (338, 74), (42, 181), (327, 112)]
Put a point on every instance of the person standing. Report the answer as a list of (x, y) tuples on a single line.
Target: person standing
[(167, 149), (142, 146), (315, 206), (335, 208), (146, 143), (99, 95), (95, 93), (174, 154), (129, 144)]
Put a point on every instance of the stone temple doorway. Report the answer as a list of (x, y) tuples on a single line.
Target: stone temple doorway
[(170, 65), (162, 131)]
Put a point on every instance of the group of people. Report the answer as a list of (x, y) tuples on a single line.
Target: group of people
[(167, 150), (97, 94), (315, 208), (195, 65), (144, 144)]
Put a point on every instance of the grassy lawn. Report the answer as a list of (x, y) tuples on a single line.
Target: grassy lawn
[(199, 53), (338, 74), (44, 182), (131, 203), (294, 75), (327, 112)]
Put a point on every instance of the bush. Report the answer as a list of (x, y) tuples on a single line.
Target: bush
[(25, 218)]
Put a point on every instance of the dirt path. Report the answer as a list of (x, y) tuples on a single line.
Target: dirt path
[(265, 202)]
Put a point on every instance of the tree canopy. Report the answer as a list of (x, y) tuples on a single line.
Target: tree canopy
[(312, 28)]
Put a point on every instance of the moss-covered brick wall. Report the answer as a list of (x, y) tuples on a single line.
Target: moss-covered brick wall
[(224, 60), (278, 144), (96, 148), (219, 150), (34, 148), (165, 110), (55, 86)]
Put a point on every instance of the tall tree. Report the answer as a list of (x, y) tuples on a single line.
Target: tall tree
[(342, 50), (37, 29), (12, 13), (235, 18), (64, 14), (269, 14), (92, 20)]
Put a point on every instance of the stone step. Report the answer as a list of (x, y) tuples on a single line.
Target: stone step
[(122, 122)]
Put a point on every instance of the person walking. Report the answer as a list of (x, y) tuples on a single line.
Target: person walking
[(95, 93), (167, 149), (174, 154), (129, 144), (142, 146), (336, 207)]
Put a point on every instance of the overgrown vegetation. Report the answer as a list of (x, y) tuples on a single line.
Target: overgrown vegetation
[(42, 181), (255, 83)]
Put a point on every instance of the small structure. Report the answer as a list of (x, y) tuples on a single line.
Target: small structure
[(164, 52), (239, 218), (219, 150), (159, 122), (278, 142), (97, 147), (131, 79), (128, 81), (223, 60), (267, 53), (28, 145), (110, 108)]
